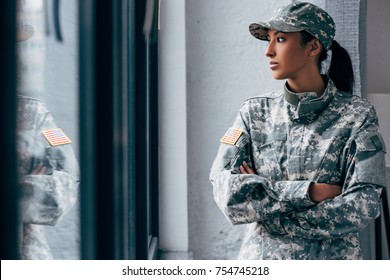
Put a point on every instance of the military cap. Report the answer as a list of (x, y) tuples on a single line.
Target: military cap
[(295, 17)]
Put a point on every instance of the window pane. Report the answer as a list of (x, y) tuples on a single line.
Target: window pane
[(47, 142)]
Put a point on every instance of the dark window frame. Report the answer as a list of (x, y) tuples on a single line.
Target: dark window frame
[(10, 189), (118, 130)]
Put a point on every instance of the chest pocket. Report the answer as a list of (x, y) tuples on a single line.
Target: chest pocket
[(330, 169), (269, 152)]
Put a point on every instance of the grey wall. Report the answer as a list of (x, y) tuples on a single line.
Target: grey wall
[(378, 46), (378, 69), (173, 206), (378, 63)]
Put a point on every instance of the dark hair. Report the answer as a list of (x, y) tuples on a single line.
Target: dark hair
[(340, 69)]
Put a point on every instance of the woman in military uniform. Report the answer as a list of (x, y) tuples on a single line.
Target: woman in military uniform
[(304, 167)]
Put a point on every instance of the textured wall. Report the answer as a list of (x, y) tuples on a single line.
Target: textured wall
[(378, 64), (378, 46)]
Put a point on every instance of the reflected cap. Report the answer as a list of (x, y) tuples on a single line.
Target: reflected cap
[(24, 32), (295, 17)]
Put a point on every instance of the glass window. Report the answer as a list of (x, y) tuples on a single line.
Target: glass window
[(47, 129), (118, 111)]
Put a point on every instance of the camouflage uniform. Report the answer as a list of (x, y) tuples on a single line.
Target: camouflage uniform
[(45, 199), (291, 140)]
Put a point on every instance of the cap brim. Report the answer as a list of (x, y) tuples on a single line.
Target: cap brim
[(259, 30), (24, 32)]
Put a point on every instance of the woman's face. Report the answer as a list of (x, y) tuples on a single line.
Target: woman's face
[(288, 59)]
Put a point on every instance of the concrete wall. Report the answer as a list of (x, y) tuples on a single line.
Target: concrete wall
[(378, 46), (378, 63)]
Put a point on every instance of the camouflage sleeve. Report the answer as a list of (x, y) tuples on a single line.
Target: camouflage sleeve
[(358, 204), (46, 198), (246, 198)]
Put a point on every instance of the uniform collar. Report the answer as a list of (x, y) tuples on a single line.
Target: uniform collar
[(308, 102)]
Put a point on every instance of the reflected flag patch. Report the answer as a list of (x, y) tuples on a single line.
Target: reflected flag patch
[(231, 136), (56, 137)]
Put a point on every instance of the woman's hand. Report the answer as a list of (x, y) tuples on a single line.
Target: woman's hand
[(317, 191), (245, 169), (40, 169), (321, 191)]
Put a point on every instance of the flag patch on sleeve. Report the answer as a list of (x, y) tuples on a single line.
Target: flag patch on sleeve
[(56, 137), (231, 136)]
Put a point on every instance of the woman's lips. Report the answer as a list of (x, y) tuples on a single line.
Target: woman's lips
[(273, 65)]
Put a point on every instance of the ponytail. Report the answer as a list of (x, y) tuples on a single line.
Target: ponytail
[(340, 69)]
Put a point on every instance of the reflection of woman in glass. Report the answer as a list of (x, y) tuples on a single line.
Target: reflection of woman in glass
[(48, 171), (304, 166)]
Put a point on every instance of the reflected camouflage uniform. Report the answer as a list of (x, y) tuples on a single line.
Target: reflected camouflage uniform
[(45, 198), (291, 140)]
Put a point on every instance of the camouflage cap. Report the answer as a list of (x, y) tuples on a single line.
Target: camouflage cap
[(24, 32), (296, 17)]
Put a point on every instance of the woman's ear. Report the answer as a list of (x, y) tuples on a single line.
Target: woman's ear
[(315, 47)]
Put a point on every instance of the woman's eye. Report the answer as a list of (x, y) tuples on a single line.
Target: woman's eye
[(280, 39)]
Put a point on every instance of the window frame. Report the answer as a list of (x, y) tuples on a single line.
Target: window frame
[(10, 189), (118, 130)]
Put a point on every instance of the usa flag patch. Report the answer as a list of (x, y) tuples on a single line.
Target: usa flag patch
[(56, 137), (231, 136)]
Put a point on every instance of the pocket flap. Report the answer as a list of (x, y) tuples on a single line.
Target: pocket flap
[(337, 132), (371, 142)]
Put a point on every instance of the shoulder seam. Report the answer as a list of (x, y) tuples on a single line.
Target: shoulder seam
[(271, 95)]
